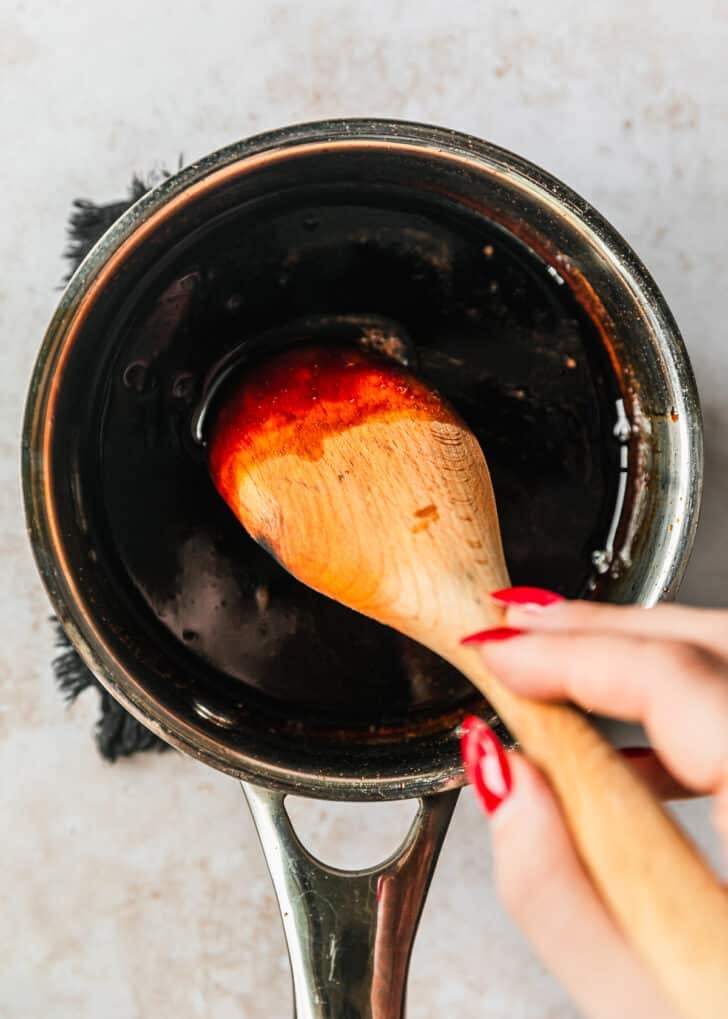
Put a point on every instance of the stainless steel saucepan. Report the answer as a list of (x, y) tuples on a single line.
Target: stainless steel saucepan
[(186, 622)]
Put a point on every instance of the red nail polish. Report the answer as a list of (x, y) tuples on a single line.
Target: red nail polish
[(526, 597), (486, 763), (496, 633), (636, 752)]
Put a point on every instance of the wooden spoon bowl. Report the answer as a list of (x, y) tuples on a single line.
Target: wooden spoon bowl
[(287, 445)]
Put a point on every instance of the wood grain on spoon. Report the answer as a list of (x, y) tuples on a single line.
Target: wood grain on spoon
[(396, 544), (368, 487)]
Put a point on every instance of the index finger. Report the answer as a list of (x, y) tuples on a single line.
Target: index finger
[(706, 627), (678, 691)]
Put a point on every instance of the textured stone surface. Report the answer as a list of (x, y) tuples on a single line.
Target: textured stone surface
[(139, 889)]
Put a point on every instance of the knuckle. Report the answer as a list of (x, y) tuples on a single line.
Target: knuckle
[(669, 658)]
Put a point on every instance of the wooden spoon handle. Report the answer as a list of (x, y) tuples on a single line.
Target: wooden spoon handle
[(667, 900)]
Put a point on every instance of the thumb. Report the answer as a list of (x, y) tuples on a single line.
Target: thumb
[(543, 885)]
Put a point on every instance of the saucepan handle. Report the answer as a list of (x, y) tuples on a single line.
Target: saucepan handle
[(349, 933)]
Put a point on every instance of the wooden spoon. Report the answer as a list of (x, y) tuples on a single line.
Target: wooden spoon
[(369, 488)]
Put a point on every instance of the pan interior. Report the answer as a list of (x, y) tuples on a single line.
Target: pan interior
[(208, 622)]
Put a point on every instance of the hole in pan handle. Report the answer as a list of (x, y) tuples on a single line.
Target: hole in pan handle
[(350, 933)]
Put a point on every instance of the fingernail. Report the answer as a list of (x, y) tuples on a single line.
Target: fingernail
[(496, 633), (530, 598), (486, 763)]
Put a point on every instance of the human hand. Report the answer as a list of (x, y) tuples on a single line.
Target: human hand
[(665, 667)]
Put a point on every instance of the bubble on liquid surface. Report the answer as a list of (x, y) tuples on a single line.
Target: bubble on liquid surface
[(602, 560), (183, 385), (622, 429), (138, 378)]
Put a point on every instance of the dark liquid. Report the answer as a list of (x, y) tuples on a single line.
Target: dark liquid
[(500, 337)]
